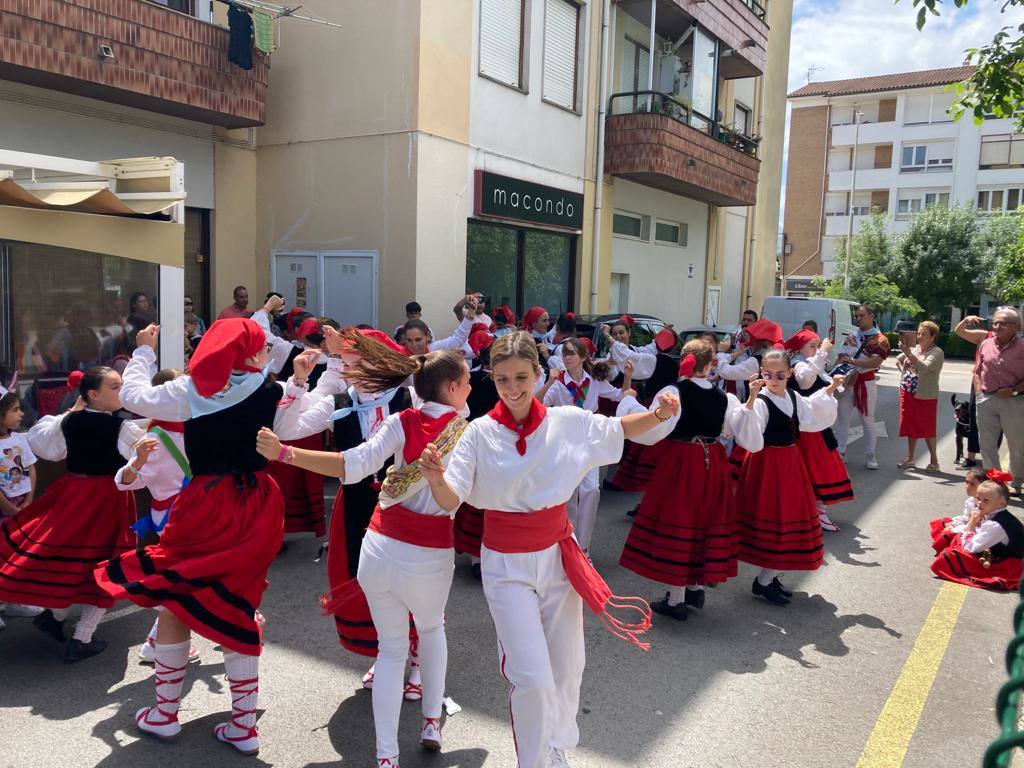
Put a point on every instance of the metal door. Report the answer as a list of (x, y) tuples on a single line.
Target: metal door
[(350, 286)]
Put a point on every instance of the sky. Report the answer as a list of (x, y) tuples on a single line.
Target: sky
[(841, 39)]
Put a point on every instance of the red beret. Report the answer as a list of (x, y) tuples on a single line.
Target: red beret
[(224, 347), (800, 339)]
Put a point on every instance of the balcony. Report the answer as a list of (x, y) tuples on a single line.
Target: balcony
[(869, 133), (654, 140), (867, 178), (133, 53)]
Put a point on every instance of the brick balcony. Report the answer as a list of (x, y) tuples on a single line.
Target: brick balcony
[(659, 151), (163, 62), (739, 27)]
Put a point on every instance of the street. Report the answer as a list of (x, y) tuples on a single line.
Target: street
[(741, 683)]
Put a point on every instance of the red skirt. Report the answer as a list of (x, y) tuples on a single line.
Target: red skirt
[(829, 478), (49, 550), (636, 467), (303, 491), (956, 564), (685, 529), (736, 458), (469, 530), (776, 515), (917, 417), (941, 539), (210, 567)]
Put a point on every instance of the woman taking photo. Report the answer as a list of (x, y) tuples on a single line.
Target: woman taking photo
[(920, 367)]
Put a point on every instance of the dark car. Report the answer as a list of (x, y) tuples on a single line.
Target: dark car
[(695, 330), (642, 333)]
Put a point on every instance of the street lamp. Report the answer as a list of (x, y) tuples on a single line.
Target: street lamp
[(857, 115)]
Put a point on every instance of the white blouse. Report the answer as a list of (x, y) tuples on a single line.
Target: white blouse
[(741, 370), (457, 340), (664, 429), (299, 417), (46, 439), (805, 371), (816, 413), (986, 535), (487, 471), (161, 474), (559, 394), (644, 360)]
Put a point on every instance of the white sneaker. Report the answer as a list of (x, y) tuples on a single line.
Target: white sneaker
[(556, 758), (246, 742), (151, 720), (826, 522), (869, 462), (430, 736), (147, 653), (15, 611)]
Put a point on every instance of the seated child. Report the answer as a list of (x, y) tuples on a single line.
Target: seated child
[(945, 529), (989, 551)]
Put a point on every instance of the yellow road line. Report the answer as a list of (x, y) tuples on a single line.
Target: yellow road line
[(888, 742)]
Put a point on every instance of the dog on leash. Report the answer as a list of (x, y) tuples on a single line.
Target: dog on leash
[(962, 414)]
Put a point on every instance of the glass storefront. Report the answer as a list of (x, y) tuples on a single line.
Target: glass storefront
[(521, 267)]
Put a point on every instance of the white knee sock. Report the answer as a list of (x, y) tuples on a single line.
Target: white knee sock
[(243, 674), (676, 595), (169, 673), (87, 622), (765, 577), (695, 587)]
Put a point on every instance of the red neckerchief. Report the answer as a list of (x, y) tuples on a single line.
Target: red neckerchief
[(168, 426), (420, 429), (501, 414)]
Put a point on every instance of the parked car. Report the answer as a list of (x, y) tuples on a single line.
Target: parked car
[(833, 316), (695, 330)]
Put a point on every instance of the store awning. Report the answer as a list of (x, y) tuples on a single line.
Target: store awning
[(85, 197)]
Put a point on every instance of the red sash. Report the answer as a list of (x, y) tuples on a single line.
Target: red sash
[(397, 522), (167, 426), (518, 533), (156, 505)]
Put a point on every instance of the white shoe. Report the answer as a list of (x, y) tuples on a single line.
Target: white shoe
[(556, 758), (870, 462), (388, 762), (15, 611), (430, 736), (151, 720), (246, 742), (414, 688), (826, 522), (147, 653), (368, 679)]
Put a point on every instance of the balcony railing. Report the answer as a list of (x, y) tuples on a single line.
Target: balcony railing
[(656, 102), (756, 7)]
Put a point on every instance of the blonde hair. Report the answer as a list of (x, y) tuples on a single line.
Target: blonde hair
[(932, 328), (701, 350), (519, 345), (1000, 489)]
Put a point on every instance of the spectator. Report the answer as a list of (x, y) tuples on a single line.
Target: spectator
[(810, 325), (748, 317), (241, 306), (920, 367), (865, 351), (140, 314), (194, 325), (972, 329), (413, 311), (1000, 373)]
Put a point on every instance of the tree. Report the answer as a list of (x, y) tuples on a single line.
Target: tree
[(938, 260), (997, 86), (1002, 246)]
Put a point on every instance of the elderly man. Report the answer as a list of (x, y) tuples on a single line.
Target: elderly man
[(865, 352), (1000, 373)]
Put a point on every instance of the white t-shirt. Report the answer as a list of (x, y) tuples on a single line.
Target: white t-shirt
[(15, 459)]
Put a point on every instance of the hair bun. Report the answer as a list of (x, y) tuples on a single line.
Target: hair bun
[(423, 361)]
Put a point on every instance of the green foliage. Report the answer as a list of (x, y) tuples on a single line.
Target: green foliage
[(997, 86), (1007, 276)]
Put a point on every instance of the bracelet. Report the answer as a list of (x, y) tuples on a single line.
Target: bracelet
[(655, 412), (287, 454)]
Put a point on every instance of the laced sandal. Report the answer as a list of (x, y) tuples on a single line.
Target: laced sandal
[(156, 722), (430, 736), (388, 762), (907, 464), (244, 738), (413, 691), (368, 679)]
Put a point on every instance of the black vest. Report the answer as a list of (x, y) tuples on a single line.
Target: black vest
[(91, 438), (1014, 532), (782, 430), (225, 441), (818, 384), (484, 396), (347, 433), (702, 412), (666, 371)]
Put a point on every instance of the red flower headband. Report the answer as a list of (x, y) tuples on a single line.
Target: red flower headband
[(996, 476)]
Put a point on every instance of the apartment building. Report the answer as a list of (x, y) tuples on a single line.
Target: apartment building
[(886, 143)]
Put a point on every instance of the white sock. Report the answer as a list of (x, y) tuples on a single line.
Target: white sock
[(765, 577), (60, 613), (243, 674), (169, 674), (676, 595), (151, 639), (695, 587), (87, 622), (821, 509)]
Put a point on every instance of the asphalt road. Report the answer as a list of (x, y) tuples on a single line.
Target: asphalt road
[(742, 683)]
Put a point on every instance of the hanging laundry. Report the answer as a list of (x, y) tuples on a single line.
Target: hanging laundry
[(264, 32), (240, 40)]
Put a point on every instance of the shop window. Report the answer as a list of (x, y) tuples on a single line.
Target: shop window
[(69, 310), (547, 271)]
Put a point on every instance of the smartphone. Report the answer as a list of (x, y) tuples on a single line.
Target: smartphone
[(906, 326)]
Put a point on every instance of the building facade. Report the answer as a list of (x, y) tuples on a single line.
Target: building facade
[(886, 144)]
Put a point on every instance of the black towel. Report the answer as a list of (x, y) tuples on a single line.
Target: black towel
[(240, 40)]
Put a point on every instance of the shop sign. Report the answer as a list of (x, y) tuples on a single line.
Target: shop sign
[(508, 198)]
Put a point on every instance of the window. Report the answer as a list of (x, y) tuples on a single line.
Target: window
[(741, 120), (906, 206), (1002, 151), (1000, 199), (936, 198), (561, 52), (184, 6), (501, 41), (635, 66), (913, 158), (631, 225), (670, 232), (917, 109)]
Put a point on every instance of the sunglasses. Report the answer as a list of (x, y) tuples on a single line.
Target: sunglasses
[(778, 375)]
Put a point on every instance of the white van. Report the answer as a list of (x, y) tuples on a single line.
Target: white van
[(833, 316)]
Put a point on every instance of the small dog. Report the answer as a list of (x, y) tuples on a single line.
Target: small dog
[(962, 414)]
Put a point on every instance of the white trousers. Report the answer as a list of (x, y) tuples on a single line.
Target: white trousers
[(846, 411), (1002, 416), (539, 620), (582, 507), (399, 579)]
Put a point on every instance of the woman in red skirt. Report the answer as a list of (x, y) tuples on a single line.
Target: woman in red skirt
[(49, 549), (820, 451), (210, 567), (684, 535), (776, 514), (920, 367)]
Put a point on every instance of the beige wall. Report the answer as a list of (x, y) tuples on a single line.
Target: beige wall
[(808, 134), (235, 260), (585, 302)]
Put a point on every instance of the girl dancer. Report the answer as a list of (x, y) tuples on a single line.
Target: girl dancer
[(684, 535), (820, 451), (407, 559), (49, 549), (777, 518), (209, 569), (581, 384), (536, 322), (535, 575), (945, 529)]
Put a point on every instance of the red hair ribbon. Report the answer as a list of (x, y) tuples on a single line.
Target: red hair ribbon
[(570, 316), (589, 346), (998, 476), (74, 379), (628, 320), (687, 366)]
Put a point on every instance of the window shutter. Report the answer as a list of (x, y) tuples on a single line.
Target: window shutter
[(917, 109), (628, 81), (501, 28), (560, 31), (643, 67)]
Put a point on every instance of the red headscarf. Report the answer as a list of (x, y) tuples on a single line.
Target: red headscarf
[(289, 319), (665, 340), (477, 327), (531, 317), (800, 339), (224, 347), (764, 330), (479, 341), (687, 366), (510, 316), (307, 327)]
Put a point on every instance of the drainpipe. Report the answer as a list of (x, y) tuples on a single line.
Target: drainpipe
[(650, 56), (602, 116)]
